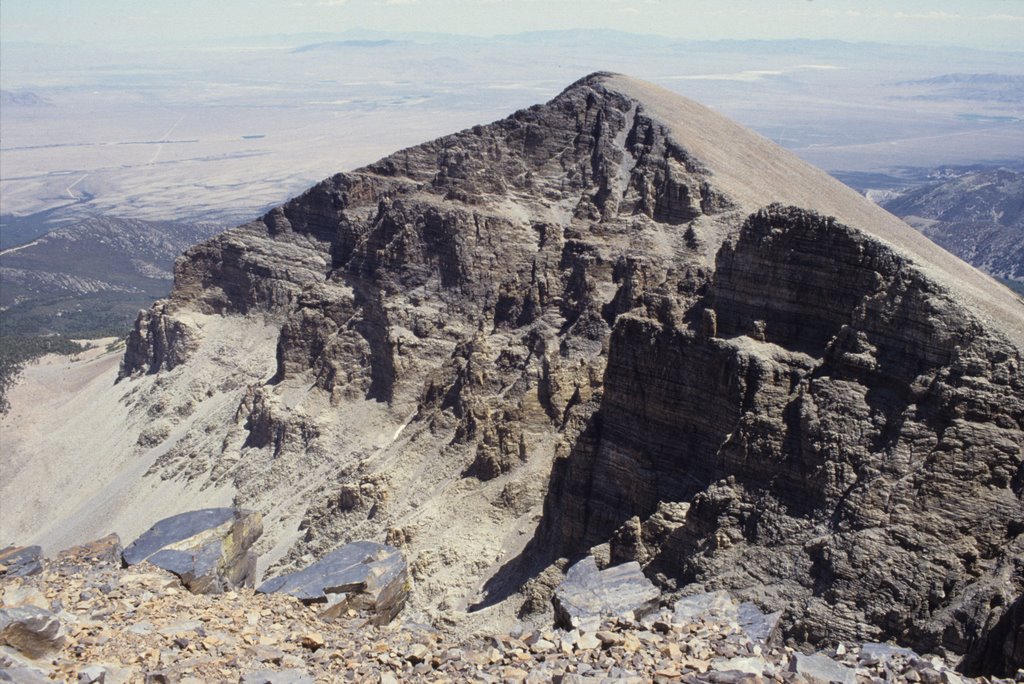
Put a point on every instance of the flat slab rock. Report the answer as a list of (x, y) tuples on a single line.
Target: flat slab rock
[(820, 669), (760, 627), (291, 676), (20, 561), (588, 594), (364, 576), (208, 549)]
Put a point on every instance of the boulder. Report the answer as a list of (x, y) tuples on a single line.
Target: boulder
[(208, 549), (363, 576), (587, 594), (23, 675), (33, 631), (872, 652), (820, 669), (717, 605), (760, 627), (20, 561), (277, 677)]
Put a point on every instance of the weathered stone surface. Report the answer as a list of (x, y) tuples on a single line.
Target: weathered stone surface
[(1001, 652), (208, 549), (706, 606), (137, 624), (362, 576), (105, 550), (747, 665), (18, 561), (587, 595), (872, 651), (34, 631), (761, 628), (23, 675), (820, 669), (160, 340)]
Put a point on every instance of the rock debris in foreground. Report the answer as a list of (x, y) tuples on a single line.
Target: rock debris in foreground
[(139, 624)]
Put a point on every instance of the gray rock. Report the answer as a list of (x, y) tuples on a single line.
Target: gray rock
[(732, 677), (1001, 649), (709, 605), (761, 628), (20, 561), (771, 421), (877, 652), (588, 594), (363, 575), (748, 665), (32, 631), (820, 669), (277, 677), (92, 674), (209, 549), (23, 675)]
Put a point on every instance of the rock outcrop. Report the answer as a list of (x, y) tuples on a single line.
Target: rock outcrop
[(731, 368), (210, 550)]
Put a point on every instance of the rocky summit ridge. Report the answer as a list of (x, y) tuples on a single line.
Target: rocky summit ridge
[(616, 324)]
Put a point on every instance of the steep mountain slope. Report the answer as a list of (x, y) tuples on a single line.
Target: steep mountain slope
[(979, 216), (592, 293)]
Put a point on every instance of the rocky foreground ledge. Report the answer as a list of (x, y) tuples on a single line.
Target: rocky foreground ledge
[(83, 617)]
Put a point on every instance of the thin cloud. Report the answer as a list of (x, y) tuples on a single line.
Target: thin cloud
[(927, 15)]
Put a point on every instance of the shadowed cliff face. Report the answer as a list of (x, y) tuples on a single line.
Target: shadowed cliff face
[(763, 399), (847, 439)]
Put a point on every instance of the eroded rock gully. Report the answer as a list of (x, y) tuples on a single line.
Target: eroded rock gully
[(804, 403)]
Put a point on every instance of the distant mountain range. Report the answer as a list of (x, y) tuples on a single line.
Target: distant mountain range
[(92, 275), (977, 215), (990, 87), (17, 98)]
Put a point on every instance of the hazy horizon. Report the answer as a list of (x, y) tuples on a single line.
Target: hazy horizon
[(985, 24)]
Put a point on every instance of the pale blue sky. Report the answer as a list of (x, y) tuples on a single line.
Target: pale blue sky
[(995, 24)]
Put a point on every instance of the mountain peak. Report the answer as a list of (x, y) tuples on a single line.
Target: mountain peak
[(618, 321)]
